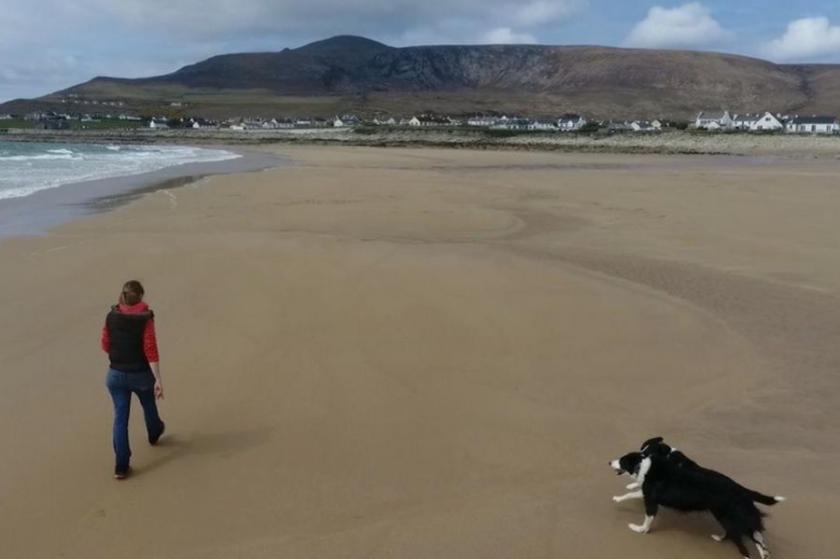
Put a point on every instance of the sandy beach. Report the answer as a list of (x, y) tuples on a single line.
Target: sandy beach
[(414, 353)]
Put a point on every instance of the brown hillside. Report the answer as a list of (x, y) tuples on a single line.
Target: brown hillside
[(355, 74)]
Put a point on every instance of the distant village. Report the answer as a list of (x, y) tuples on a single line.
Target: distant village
[(767, 122), (710, 121)]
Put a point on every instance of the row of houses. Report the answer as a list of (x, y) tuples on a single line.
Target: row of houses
[(161, 123), (568, 122), (40, 116), (767, 122), (565, 123)]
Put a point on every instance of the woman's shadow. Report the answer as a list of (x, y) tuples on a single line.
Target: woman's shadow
[(221, 445)]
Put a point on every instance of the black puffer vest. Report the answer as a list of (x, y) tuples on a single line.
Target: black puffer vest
[(126, 335)]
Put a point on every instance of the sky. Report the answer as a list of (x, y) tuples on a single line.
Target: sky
[(47, 45)]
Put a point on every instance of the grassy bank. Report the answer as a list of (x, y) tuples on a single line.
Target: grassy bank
[(672, 142)]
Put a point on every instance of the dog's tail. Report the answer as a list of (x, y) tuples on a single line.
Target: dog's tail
[(765, 499)]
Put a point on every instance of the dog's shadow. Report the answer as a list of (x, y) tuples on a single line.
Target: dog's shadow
[(177, 446)]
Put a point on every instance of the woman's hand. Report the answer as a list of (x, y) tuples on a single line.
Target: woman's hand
[(158, 380)]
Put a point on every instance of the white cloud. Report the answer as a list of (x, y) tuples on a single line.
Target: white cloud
[(541, 12), (133, 38), (506, 36), (219, 18), (690, 25), (461, 32), (807, 37)]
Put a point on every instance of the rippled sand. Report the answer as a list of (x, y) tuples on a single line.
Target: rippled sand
[(421, 353)]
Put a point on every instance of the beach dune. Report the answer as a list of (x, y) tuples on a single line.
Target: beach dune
[(427, 353)]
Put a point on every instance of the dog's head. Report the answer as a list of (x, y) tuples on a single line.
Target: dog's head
[(627, 464), (655, 447)]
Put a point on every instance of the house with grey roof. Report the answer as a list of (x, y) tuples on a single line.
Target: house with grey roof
[(813, 125), (744, 121), (570, 122), (713, 120), (515, 123), (543, 125)]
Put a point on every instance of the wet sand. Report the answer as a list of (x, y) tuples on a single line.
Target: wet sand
[(422, 353), (48, 208)]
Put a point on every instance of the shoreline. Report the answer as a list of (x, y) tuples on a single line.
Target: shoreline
[(43, 210), (664, 143)]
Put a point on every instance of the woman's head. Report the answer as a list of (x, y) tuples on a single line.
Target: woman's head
[(132, 293)]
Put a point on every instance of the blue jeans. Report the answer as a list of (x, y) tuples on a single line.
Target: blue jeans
[(121, 385)]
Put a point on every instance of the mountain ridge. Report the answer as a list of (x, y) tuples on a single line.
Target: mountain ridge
[(351, 73)]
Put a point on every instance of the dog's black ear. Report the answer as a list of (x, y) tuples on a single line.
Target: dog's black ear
[(649, 442)]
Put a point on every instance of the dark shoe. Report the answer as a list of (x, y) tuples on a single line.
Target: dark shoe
[(121, 472), (156, 438)]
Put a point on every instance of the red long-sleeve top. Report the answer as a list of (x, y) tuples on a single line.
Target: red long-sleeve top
[(150, 348)]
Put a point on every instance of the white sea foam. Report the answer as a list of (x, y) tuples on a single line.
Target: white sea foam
[(29, 168)]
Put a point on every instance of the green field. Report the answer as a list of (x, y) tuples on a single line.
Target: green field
[(16, 123)]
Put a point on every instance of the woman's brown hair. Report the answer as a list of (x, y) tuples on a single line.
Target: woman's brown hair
[(132, 293)]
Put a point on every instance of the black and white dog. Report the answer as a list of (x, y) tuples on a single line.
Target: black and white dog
[(667, 477)]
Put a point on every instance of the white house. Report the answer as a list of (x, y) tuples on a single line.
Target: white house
[(5, 117), (387, 122), (570, 122), (813, 125), (543, 125), (482, 120), (512, 124), (710, 120), (767, 122), (744, 121), (345, 120), (430, 120), (645, 126), (158, 124), (485, 121)]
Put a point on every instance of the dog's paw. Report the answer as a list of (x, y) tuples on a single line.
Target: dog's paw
[(617, 499), (638, 529), (717, 538)]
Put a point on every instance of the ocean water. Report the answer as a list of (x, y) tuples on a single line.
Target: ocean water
[(26, 168)]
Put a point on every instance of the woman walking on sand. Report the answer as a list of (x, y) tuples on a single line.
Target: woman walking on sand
[(128, 338)]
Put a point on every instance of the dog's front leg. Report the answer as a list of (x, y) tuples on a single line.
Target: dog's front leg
[(644, 527), (634, 485), (628, 496), (650, 513)]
